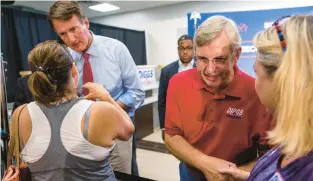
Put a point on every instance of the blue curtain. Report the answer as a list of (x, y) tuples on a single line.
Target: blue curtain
[(134, 40), (136, 43), (31, 28), (21, 32)]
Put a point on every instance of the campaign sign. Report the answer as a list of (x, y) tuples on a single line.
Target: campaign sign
[(147, 74), (249, 23)]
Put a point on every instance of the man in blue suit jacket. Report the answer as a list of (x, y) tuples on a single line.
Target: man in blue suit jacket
[(185, 62)]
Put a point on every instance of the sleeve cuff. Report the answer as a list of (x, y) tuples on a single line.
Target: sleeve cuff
[(127, 100)]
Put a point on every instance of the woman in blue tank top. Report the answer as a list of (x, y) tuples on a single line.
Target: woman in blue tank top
[(284, 69)]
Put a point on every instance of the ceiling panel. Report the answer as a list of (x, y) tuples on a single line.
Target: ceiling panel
[(125, 6)]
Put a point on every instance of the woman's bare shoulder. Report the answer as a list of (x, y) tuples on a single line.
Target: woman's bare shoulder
[(102, 107), (103, 110), (22, 114)]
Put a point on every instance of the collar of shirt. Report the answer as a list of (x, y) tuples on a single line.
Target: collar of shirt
[(182, 66), (233, 89)]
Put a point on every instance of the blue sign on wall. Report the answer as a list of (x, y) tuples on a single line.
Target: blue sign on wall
[(249, 23)]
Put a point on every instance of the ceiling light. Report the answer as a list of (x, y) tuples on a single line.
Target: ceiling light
[(104, 7)]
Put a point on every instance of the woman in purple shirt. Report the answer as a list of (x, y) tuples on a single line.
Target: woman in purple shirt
[(284, 68)]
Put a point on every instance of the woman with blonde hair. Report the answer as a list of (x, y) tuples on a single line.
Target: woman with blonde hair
[(65, 137), (284, 83)]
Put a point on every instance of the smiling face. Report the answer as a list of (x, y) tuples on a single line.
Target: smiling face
[(216, 62), (74, 32)]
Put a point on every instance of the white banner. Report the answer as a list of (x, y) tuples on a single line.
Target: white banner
[(147, 74)]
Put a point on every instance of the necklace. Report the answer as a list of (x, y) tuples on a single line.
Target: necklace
[(63, 100)]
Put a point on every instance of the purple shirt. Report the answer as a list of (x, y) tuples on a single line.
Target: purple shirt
[(268, 168)]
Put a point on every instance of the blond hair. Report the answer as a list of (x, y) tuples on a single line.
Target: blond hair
[(212, 27), (292, 73)]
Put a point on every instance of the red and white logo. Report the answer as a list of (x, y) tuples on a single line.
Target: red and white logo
[(243, 27), (234, 113)]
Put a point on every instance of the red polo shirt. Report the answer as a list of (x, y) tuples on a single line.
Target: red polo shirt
[(218, 125)]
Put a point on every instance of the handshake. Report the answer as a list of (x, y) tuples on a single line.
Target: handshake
[(216, 169), (236, 173)]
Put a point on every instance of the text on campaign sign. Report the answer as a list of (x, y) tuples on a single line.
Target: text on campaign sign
[(147, 74)]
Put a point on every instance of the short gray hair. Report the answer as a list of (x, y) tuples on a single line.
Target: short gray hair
[(212, 27)]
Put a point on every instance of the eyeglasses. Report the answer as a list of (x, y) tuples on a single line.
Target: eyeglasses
[(280, 33), (182, 49), (218, 61)]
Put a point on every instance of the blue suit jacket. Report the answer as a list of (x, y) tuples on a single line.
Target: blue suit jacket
[(166, 74)]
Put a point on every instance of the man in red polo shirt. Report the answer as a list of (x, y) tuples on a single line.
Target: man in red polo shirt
[(214, 118)]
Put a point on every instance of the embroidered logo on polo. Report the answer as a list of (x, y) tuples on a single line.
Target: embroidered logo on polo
[(276, 177), (234, 113)]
